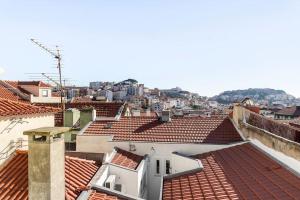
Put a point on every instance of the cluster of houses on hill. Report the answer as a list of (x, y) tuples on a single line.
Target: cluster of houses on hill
[(104, 150)]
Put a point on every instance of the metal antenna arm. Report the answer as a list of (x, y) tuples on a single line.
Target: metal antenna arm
[(45, 48)]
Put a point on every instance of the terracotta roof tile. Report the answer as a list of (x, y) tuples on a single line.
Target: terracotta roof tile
[(102, 109), (14, 176), (96, 195), (218, 130), (126, 159), (13, 90), (240, 172), (7, 94), (33, 83), (292, 111), (10, 108)]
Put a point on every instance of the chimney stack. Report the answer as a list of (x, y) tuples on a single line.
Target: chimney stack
[(46, 163), (166, 116)]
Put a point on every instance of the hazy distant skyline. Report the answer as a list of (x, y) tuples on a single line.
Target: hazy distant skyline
[(201, 46)]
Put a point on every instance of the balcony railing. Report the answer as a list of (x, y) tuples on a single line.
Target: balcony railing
[(11, 148)]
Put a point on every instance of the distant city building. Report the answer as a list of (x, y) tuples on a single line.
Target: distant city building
[(119, 95), (288, 113), (95, 85), (107, 94)]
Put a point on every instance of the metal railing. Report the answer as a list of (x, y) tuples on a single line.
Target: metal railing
[(12, 147)]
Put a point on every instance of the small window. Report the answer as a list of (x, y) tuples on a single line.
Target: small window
[(157, 166), (44, 93), (168, 167)]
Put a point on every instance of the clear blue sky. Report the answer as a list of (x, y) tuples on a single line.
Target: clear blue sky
[(201, 46)]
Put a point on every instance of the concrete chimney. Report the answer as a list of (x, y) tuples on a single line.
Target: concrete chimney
[(71, 117), (46, 163), (87, 115), (166, 116)]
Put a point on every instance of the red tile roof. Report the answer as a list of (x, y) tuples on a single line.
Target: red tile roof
[(126, 159), (7, 94), (109, 109), (78, 173), (14, 176), (10, 108), (240, 172), (13, 90), (95, 195), (33, 83), (180, 130), (290, 111), (81, 100)]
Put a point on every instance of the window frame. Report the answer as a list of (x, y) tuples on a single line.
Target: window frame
[(157, 166), (47, 93)]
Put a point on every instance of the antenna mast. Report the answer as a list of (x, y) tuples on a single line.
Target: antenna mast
[(57, 56)]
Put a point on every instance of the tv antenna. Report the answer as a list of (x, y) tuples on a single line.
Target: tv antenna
[(56, 56)]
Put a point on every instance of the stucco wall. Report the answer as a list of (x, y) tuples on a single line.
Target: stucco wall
[(274, 141), (181, 163), (12, 128), (129, 179), (36, 99), (95, 144)]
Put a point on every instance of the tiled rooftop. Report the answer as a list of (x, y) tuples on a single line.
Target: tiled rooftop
[(33, 83), (126, 159), (95, 195), (7, 94), (9, 108), (217, 130), (292, 111), (14, 176), (240, 172), (81, 99), (102, 109), (7, 89)]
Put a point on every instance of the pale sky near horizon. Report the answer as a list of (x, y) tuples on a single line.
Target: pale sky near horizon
[(201, 46)]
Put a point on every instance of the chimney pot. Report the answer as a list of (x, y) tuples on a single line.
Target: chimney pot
[(166, 116)]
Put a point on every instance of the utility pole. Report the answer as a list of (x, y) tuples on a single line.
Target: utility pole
[(57, 56)]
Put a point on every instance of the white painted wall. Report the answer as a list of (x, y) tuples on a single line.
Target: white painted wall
[(95, 144), (104, 174), (181, 163), (142, 170), (128, 178), (160, 151), (163, 152), (40, 99), (12, 128)]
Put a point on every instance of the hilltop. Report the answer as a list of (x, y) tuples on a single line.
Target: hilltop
[(262, 95)]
